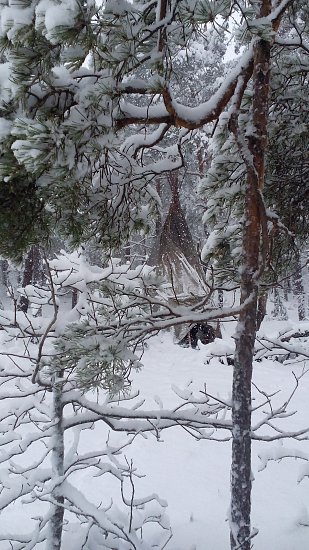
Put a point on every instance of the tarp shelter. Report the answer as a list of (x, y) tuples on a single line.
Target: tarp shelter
[(175, 254)]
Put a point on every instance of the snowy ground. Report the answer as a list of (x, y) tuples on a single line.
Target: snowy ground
[(193, 476)]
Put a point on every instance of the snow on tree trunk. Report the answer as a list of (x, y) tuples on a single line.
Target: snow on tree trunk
[(286, 288), (261, 308), (242, 375), (279, 310), (299, 288), (253, 255), (57, 510), (4, 266), (32, 273)]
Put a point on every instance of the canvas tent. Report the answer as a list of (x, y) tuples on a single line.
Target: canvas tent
[(176, 255)]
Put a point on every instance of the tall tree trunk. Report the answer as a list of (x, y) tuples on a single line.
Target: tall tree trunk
[(242, 376), (261, 308), (74, 298), (286, 288), (253, 250), (279, 311), (159, 216), (220, 298), (218, 332), (299, 288), (56, 521), (32, 274), (4, 266)]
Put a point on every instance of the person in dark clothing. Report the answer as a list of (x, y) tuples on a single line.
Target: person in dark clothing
[(201, 331)]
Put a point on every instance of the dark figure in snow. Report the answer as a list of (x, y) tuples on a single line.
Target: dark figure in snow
[(201, 331)]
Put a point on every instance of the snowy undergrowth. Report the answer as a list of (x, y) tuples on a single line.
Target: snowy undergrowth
[(193, 476)]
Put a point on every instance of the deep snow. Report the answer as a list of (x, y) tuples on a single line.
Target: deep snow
[(193, 476)]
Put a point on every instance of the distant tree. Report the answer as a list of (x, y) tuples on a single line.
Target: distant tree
[(32, 273)]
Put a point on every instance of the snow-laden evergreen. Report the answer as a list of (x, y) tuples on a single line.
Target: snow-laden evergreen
[(92, 114), (104, 481)]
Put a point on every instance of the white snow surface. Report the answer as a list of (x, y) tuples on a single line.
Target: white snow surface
[(193, 476)]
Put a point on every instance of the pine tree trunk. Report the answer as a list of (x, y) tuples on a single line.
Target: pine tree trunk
[(74, 298), (242, 375), (261, 309), (4, 266), (286, 288), (56, 521), (277, 303), (299, 288), (27, 280), (279, 311), (253, 251), (159, 216), (220, 298), (32, 273)]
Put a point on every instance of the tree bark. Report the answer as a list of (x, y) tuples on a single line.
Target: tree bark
[(261, 309), (56, 521), (279, 311), (286, 288), (242, 376), (299, 290), (32, 274), (4, 266), (254, 243)]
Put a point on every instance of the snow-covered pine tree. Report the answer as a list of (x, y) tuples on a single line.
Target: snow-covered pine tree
[(54, 363), (74, 142), (239, 146), (288, 162), (38, 475), (51, 360)]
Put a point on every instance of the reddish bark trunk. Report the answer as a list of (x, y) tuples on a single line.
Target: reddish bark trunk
[(242, 375), (261, 309), (246, 330)]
